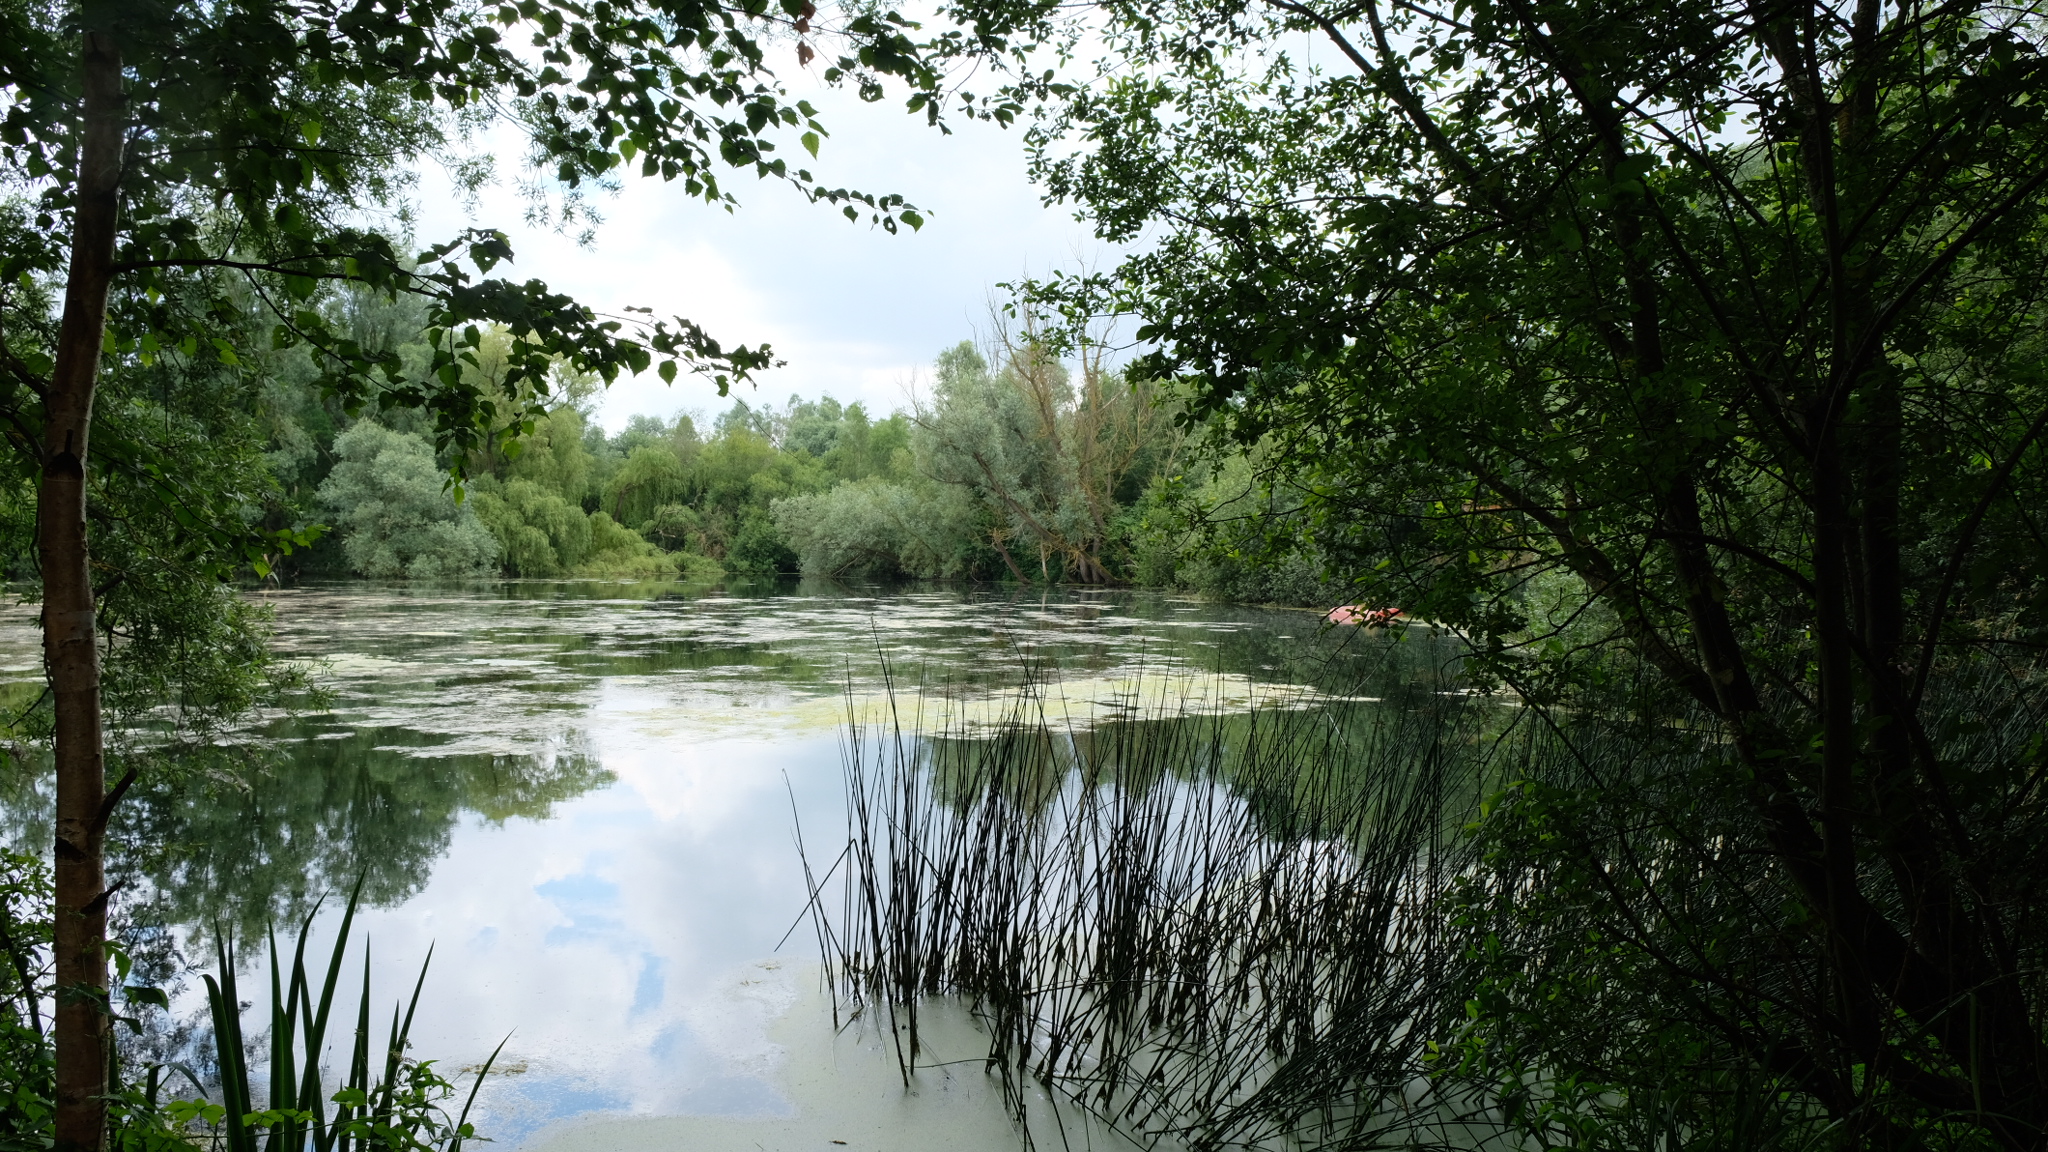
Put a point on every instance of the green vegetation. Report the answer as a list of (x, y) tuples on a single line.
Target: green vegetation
[(27, 1094), (1022, 470), (387, 1100), (1026, 470), (1686, 358), (1227, 929), (1000, 462), (393, 1102), (182, 181), (396, 516)]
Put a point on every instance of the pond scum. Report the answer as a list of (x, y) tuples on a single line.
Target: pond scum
[(1215, 930)]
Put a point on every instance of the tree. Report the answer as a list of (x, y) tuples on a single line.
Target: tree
[(651, 477), (1728, 316), (1051, 459), (397, 516), (183, 153), (875, 528)]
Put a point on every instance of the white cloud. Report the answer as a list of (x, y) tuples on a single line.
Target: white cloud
[(853, 310)]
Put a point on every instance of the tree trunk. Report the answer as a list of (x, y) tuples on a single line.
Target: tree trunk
[(70, 646)]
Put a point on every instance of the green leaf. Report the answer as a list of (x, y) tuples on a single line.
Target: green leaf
[(810, 142), (140, 994)]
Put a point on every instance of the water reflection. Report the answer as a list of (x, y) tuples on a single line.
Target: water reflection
[(318, 807), (584, 795)]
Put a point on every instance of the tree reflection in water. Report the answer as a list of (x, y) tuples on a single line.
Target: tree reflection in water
[(253, 840)]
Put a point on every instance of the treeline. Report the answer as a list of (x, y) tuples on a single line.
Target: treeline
[(1014, 467), (551, 495)]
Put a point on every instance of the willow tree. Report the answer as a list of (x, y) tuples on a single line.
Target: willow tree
[(239, 152), (1727, 316), (1050, 458)]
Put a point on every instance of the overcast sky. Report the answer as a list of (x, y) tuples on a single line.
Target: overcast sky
[(856, 312)]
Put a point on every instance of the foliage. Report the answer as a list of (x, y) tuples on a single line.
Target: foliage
[(996, 458), (650, 478), (199, 171), (268, 169), (1686, 358), (758, 546), (618, 552), (541, 533), (876, 529), (397, 513), (395, 1103), (718, 497), (1050, 460), (184, 473), (814, 485), (397, 1107), (1229, 527), (563, 500), (26, 1088)]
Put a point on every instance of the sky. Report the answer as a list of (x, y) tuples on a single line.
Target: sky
[(857, 313)]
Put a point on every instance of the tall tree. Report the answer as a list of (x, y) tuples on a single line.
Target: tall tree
[(1729, 315), (237, 148), (1050, 460)]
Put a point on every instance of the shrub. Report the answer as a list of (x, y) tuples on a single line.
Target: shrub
[(857, 529), (650, 478), (758, 546), (398, 514), (617, 552), (541, 533), (676, 527)]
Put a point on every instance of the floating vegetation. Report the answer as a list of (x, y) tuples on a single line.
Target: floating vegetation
[(1223, 928)]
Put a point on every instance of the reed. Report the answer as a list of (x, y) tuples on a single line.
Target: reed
[(1436, 920), (1225, 930)]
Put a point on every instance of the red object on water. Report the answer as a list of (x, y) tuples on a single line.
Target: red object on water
[(1361, 615)]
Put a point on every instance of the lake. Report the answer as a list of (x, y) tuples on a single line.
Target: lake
[(586, 798)]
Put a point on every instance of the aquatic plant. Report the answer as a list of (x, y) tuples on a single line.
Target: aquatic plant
[(1225, 929), (1438, 920), (386, 1101), (397, 1107)]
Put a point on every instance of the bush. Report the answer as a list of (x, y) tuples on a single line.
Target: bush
[(758, 547), (650, 478), (1227, 532), (875, 529), (398, 514), (676, 527), (541, 533), (27, 1071), (617, 552), (697, 566), (857, 529)]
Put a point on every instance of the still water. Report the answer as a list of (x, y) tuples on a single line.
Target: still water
[(587, 797)]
